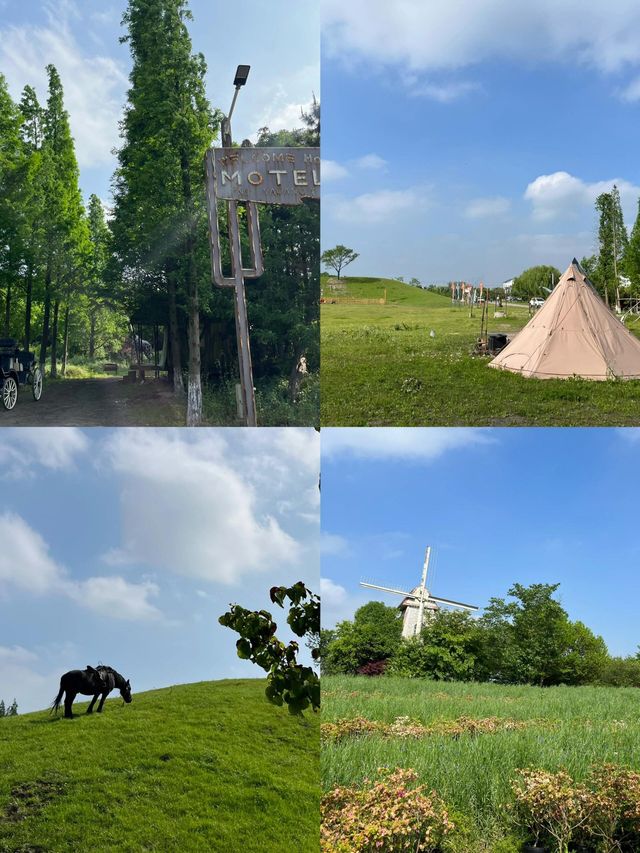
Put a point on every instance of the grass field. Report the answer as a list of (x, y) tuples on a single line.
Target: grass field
[(568, 727), (208, 766), (382, 367)]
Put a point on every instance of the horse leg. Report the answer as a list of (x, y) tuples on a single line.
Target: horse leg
[(68, 702), (93, 702), (104, 696)]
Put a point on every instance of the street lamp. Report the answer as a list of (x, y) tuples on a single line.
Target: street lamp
[(242, 72)]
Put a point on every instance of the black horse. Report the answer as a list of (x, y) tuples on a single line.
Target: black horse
[(90, 682)]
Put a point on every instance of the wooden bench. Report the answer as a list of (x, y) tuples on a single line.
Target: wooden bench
[(138, 372), (110, 367)]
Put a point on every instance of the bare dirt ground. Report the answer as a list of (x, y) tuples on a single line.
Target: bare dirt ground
[(97, 402)]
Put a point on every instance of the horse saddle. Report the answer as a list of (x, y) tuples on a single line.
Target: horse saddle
[(102, 678)]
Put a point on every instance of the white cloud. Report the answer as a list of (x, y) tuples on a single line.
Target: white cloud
[(631, 92), (55, 448), (188, 509), (484, 208), (333, 544), (332, 171), (561, 194), (116, 597), (630, 434), (25, 561), (371, 161), (26, 564), (420, 444), (94, 86), (374, 207), (332, 594), (338, 603), (430, 36), (16, 654), (445, 93)]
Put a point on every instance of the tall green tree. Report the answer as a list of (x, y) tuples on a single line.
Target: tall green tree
[(33, 200), (632, 255), (338, 258), (612, 241), (374, 634), (159, 185), (11, 163), (64, 221), (527, 635), (99, 246), (536, 281), (447, 649)]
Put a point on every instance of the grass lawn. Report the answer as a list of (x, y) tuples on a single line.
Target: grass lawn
[(382, 367), (208, 766), (570, 728)]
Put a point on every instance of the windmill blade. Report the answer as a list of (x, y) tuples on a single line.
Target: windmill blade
[(453, 603), (388, 589)]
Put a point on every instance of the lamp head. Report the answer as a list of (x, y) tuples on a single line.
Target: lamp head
[(242, 73)]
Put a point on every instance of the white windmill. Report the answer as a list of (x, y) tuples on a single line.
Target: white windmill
[(415, 603)]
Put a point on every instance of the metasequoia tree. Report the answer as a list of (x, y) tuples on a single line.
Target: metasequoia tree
[(159, 185)]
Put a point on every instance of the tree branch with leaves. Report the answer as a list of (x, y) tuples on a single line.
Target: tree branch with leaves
[(288, 682)]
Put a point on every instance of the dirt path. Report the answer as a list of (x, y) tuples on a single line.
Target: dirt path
[(97, 402)]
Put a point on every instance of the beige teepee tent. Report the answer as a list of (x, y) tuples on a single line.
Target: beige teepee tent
[(573, 334)]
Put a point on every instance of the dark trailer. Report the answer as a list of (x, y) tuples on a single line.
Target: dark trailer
[(17, 367)]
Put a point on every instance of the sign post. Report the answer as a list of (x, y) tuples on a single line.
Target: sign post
[(252, 176)]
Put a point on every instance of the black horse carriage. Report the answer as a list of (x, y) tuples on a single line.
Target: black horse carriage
[(17, 367)]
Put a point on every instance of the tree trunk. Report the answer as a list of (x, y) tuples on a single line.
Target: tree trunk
[(7, 311), (174, 333), (47, 316), (65, 353), (194, 391), (54, 339), (194, 395), (92, 335), (27, 310)]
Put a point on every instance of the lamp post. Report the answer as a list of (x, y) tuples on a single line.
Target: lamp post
[(246, 391)]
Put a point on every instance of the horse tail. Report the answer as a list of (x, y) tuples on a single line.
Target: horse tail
[(57, 700)]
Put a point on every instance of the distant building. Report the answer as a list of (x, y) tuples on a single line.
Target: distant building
[(507, 286)]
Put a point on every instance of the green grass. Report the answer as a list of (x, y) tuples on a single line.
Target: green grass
[(208, 766), (575, 727), (381, 367)]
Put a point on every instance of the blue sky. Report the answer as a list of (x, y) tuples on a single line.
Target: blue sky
[(124, 546), (497, 506), (469, 140), (278, 39)]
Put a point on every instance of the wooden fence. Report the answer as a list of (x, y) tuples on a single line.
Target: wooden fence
[(352, 300)]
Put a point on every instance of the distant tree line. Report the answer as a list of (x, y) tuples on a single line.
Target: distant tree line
[(52, 248), (11, 711), (526, 638), (618, 257)]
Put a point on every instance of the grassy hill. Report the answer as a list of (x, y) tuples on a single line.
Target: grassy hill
[(382, 366), (552, 728), (398, 292), (208, 766)]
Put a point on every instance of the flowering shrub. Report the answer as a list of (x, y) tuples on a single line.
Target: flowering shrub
[(601, 815), (551, 805), (406, 727), (373, 667), (389, 814), (614, 821)]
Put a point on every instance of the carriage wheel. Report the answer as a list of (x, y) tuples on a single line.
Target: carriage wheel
[(9, 392), (36, 383)]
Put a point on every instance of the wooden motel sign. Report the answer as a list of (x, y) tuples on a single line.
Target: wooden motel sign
[(252, 176), (267, 175)]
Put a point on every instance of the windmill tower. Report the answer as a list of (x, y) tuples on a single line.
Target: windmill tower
[(419, 604)]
